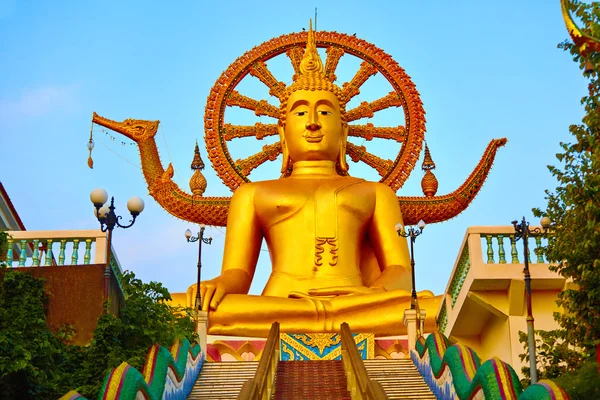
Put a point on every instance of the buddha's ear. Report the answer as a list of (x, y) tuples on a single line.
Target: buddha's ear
[(343, 165), (284, 150)]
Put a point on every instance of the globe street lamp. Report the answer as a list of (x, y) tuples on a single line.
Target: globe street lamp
[(522, 231), (109, 220), (200, 239), (412, 234)]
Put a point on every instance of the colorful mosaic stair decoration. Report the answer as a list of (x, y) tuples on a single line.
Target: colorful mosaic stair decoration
[(168, 374), (322, 346), (456, 372)]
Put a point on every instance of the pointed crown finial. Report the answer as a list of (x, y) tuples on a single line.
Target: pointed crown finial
[(428, 163), (311, 61), (197, 163), (311, 76)]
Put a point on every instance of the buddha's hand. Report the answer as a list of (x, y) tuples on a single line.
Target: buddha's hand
[(212, 292), (335, 291)]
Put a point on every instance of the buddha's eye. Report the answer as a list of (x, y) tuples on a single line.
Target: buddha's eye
[(301, 113), (323, 112)]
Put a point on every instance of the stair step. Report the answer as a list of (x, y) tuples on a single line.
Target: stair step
[(222, 380), (400, 379)]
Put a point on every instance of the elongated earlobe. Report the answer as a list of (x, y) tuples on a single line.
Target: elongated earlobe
[(285, 162), (342, 164)]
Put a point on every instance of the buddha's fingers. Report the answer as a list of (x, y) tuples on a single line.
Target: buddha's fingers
[(217, 297), (208, 294)]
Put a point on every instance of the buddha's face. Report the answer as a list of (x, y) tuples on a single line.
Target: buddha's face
[(313, 128)]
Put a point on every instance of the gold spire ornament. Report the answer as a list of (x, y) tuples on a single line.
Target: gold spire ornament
[(311, 76), (197, 181), (429, 183)]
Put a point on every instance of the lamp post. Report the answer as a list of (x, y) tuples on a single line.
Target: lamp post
[(200, 239), (412, 234), (109, 220), (522, 231)]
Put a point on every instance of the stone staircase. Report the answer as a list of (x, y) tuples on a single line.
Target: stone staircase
[(222, 380), (399, 378), (310, 380), (307, 380)]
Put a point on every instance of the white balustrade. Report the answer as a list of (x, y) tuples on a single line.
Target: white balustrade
[(56, 248)]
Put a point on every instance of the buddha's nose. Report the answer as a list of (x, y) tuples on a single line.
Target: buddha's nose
[(313, 125)]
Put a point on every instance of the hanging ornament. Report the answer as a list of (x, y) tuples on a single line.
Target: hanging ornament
[(90, 146)]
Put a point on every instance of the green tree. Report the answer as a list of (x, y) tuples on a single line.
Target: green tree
[(31, 358), (3, 247), (574, 206), (146, 319), (36, 363)]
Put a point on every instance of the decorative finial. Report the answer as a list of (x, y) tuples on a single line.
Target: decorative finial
[(198, 181), (311, 61), (197, 163), (429, 183), (428, 163)]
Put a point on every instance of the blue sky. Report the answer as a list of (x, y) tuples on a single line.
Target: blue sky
[(484, 70)]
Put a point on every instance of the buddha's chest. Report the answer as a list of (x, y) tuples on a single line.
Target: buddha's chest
[(324, 205)]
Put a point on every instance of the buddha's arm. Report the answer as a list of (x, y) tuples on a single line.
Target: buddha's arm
[(390, 249), (242, 246)]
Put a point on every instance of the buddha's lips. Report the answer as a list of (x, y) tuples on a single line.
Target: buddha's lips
[(314, 138)]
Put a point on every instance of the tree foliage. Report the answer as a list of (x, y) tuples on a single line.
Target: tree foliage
[(3, 247), (573, 369), (36, 363), (574, 206)]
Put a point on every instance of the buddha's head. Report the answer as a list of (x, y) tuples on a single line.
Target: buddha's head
[(312, 122)]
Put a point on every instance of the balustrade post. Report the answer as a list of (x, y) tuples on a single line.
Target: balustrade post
[(202, 328), (538, 249), (410, 321), (75, 255), (490, 249), (513, 251), (23, 253), (87, 256), (36, 253), (501, 254), (9, 253), (48, 260), (61, 253)]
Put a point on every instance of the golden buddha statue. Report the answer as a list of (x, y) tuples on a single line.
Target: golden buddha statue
[(334, 250), (335, 254)]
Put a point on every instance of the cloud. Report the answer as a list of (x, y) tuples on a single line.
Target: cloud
[(40, 102)]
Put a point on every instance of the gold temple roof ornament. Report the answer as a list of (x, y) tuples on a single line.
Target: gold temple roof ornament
[(582, 39), (309, 74)]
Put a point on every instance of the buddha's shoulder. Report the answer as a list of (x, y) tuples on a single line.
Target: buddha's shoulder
[(377, 186)]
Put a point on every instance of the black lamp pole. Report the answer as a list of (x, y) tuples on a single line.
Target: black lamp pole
[(108, 222), (200, 239), (412, 234), (522, 231)]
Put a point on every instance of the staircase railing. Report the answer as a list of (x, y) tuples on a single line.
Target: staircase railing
[(359, 384), (261, 386)]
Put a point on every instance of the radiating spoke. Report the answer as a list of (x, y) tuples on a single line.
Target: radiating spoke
[(269, 152), (352, 88), (369, 131), (333, 58), (259, 70), (367, 110), (360, 153), (259, 107), (258, 130), (295, 55)]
